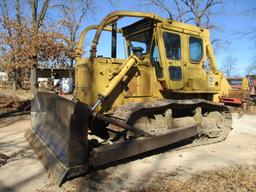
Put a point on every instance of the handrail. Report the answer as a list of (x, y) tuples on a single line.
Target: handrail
[(82, 36), (114, 16)]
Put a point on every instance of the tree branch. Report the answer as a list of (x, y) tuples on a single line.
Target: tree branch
[(18, 11), (42, 13)]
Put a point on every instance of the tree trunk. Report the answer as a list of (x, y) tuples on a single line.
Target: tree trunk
[(37, 21), (33, 78), (14, 85)]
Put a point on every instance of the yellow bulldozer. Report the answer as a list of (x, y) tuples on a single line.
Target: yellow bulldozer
[(160, 95)]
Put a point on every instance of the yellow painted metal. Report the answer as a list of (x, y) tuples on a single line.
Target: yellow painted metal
[(245, 84), (83, 85), (104, 68), (85, 69), (129, 63), (211, 57), (110, 78), (224, 88)]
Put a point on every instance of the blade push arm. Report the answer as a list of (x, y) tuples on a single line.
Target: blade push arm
[(125, 68)]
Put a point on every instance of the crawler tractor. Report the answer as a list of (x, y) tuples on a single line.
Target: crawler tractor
[(160, 95)]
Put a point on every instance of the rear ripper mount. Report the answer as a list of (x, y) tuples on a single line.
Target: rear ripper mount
[(60, 137)]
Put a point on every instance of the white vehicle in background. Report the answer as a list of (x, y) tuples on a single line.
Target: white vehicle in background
[(67, 85), (3, 76)]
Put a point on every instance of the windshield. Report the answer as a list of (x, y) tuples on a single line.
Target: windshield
[(195, 49), (140, 40), (235, 82), (172, 46)]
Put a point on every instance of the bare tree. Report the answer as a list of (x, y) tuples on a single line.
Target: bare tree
[(162, 5), (229, 66), (198, 12), (37, 17), (73, 16), (251, 33), (251, 30), (251, 69)]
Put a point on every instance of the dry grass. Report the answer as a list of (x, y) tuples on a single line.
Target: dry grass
[(240, 178)]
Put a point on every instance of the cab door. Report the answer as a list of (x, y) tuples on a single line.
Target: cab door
[(158, 67), (173, 59)]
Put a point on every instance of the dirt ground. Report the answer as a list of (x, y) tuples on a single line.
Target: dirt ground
[(225, 166), (14, 101), (21, 94)]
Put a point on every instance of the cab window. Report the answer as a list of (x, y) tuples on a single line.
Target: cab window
[(140, 40), (235, 82), (172, 46), (195, 49), (155, 61)]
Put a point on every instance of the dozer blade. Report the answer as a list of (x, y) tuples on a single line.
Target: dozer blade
[(59, 135)]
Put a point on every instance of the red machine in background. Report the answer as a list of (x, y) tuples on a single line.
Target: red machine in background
[(242, 90)]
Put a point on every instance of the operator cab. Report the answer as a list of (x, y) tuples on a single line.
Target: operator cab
[(176, 51)]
